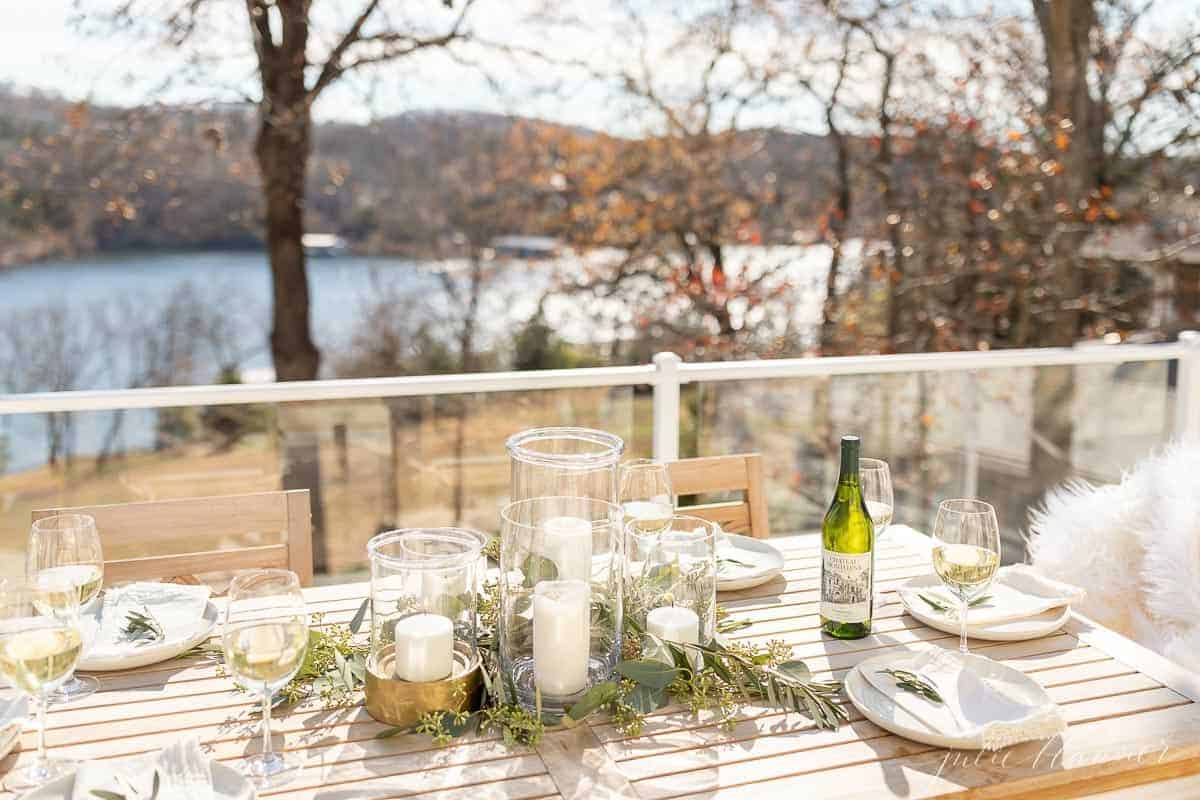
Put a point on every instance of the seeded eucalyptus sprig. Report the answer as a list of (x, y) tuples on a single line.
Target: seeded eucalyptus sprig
[(711, 676), (733, 562), (938, 605), (912, 682), (142, 628)]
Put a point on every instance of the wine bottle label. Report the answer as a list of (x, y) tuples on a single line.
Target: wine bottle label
[(845, 586)]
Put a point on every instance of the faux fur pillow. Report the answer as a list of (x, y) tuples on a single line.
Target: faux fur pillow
[(1135, 547)]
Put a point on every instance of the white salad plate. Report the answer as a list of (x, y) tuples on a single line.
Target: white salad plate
[(142, 654), (228, 784), (1016, 630), (759, 562), (881, 710)]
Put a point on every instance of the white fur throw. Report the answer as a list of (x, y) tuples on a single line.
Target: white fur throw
[(1135, 547)]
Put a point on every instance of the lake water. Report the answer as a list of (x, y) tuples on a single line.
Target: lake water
[(340, 287)]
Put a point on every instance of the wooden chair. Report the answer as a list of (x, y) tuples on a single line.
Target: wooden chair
[(742, 473), (135, 527)]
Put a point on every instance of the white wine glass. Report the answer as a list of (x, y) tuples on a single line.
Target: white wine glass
[(265, 639), (67, 547), (39, 648), (645, 495), (966, 552), (875, 480)]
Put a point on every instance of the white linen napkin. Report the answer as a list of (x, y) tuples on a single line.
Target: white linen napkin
[(13, 709), (1018, 592), (178, 608), (182, 768), (973, 705)]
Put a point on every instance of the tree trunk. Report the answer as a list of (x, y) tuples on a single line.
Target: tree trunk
[(1066, 27), (282, 151), (283, 160)]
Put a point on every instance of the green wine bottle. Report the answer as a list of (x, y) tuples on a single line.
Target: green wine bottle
[(847, 554)]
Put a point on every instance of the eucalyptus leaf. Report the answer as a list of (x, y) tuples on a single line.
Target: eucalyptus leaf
[(538, 568), (646, 672), (359, 616), (795, 670), (388, 733), (456, 728), (645, 699), (104, 794), (599, 695)]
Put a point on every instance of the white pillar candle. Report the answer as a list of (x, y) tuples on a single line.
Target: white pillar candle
[(562, 632), (424, 648), (567, 541), (674, 624)]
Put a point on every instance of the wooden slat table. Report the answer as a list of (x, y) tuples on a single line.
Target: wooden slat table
[(1134, 719)]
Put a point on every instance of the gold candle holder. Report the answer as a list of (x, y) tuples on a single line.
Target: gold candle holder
[(395, 702)]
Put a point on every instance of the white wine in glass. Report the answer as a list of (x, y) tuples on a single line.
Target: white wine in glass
[(965, 568), (265, 639), (646, 496), (39, 648), (66, 547), (966, 552)]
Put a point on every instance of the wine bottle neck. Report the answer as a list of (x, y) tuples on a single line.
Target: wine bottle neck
[(849, 470)]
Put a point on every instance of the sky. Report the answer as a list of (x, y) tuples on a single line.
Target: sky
[(41, 48)]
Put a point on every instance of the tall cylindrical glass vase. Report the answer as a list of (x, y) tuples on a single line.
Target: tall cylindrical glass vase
[(561, 589)]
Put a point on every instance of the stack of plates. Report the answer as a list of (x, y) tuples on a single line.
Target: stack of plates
[(1019, 605), (983, 704), (743, 562)]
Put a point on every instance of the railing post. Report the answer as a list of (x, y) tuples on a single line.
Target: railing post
[(666, 406), (1187, 390), (971, 443)]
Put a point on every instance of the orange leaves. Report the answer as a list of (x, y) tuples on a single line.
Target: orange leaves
[(1062, 139)]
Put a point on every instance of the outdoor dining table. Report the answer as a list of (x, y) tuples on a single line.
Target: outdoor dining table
[(1134, 721)]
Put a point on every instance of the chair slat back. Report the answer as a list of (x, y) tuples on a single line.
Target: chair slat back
[(725, 474), (193, 522)]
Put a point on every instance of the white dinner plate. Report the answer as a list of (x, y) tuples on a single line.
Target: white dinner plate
[(764, 562), (142, 655), (1016, 630), (879, 709), (228, 784), (9, 736)]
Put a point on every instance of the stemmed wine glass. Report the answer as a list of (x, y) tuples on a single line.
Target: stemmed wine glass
[(875, 480), (265, 639), (646, 496), (966, 552), (67, 547), (39, 648)]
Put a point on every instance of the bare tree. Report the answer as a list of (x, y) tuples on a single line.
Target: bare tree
[(50, 349), (297, 60)]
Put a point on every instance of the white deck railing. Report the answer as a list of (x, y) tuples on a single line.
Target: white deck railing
[(665, 375)]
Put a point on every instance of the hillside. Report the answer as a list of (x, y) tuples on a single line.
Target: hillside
[(77, 179)]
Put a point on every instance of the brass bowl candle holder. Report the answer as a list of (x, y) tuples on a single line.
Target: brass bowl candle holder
[(397, 702)]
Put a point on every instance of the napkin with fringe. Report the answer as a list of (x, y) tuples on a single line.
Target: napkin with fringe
[(179, 770), (1018, 592), (973, 705)]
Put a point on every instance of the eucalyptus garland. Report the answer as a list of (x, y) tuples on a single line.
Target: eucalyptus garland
[(652, 675)]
